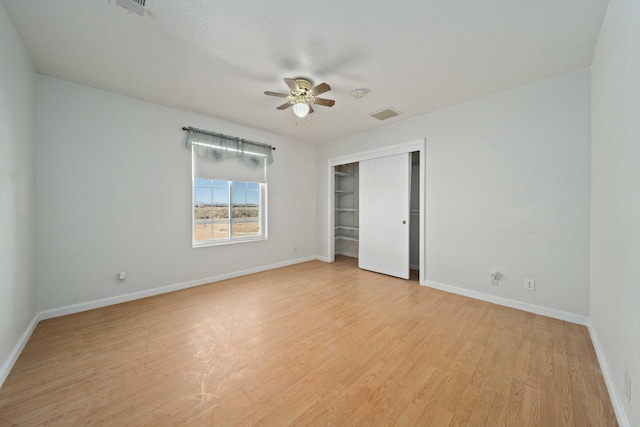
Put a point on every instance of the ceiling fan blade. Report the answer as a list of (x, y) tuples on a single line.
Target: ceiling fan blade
[(321, 88), (282, 95), (324, 102), (292, 84), (310, 109), (285, 105)]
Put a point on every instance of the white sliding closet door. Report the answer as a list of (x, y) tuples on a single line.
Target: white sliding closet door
[(384, 215)]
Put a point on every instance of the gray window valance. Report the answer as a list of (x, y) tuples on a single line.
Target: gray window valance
[(218, 147)]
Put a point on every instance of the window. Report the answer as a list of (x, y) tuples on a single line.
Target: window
[(227, 211), (229, 182)]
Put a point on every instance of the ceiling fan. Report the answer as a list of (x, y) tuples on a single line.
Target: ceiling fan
[(302, 96)]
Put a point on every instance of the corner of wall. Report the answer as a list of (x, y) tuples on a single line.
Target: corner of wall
[(618, 408), (12, 358)]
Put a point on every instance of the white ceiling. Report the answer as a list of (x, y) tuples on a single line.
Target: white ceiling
[(218, 57)]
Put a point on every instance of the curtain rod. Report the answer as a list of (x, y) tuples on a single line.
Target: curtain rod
[(219, 134)]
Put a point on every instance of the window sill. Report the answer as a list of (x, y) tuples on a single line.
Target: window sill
[(208, 243)]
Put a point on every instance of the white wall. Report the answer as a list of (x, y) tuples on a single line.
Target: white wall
[(507, 187), (18, 304), (114, 193), (615, 230)]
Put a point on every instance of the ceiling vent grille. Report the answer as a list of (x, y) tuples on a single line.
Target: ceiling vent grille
[(135, 6), (385, 113)]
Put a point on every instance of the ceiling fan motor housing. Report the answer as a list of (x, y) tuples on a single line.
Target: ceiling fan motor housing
[(303, 84)]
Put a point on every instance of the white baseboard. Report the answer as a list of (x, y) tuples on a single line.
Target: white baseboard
[(531, 308), (618, 408), (7, 365), (90, 305)]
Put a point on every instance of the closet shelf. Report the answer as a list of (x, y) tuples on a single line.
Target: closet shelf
[(346, 210), (346, 227), (344, 237)]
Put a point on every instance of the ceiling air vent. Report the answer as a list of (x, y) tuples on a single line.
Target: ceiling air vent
[(384, 114), (135, 6)]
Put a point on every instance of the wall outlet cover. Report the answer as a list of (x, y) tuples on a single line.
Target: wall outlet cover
[(530, 284)]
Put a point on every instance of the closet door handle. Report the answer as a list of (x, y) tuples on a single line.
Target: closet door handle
[(404, 222)]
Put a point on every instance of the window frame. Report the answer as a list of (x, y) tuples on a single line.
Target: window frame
[(262, 215)]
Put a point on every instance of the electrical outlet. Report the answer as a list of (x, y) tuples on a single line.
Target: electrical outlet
[(530, 284), (627, 386)]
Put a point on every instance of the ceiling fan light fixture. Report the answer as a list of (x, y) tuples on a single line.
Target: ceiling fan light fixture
[(301, 109)]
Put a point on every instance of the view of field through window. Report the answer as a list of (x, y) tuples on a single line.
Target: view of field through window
[(225, 210)]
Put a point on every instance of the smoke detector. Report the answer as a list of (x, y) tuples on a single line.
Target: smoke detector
[(358, 93), (135, 6)]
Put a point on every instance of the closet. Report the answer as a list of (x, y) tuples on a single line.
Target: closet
[(414, 227), (346, 210), (376, 213)]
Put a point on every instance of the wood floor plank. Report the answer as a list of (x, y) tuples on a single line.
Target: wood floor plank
[(310, 344)]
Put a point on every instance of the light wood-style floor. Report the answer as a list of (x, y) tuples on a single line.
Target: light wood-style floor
[(313, 344)]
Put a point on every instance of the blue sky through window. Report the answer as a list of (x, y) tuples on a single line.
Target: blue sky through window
[(215, 192)]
